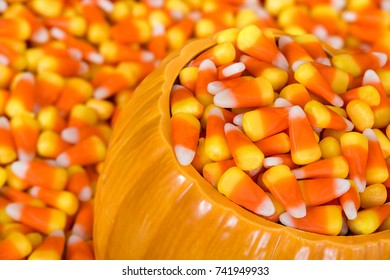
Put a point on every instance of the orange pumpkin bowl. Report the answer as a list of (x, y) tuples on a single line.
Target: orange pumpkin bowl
[(147, 206)]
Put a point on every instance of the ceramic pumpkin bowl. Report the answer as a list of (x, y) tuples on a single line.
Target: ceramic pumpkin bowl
[(148, 206)]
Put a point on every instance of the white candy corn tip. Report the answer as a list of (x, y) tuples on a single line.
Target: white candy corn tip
[(4, 60), (214, 87), (298, 211), (207, 64), (176, 87), (34, 191), (83, 68), (95, 57), (70, 135), (3, 6), (158, 29), (176, 15), (195, 15), (338, 5), (28, 76), (75, 53), (4, 123), (298, 173), (225, 99), (233, 69), (335, 42), (40, 36), (250, 3), (298, 63), (216, 112), (147, 56), (85, 194), (14, 210), (155, 3), (296, 112), (349, 210), (272, 161), (19, 168), (230, 127), (73, 239), (244, 58), (320, 31), (283, 41), (101, 93), (63, 160), (349, 16), (370, 134), (57, 33), (286, 219), (382, 58), (370, 77), (58, 233), (281, 102), (337, 101), (266, 208), (324, 61), (237, 120), (385, 5), (316, 129), (342, 186), (349, 124), (260, 11), (79, 231), (25, 156), (106, 6), (360, 184), (281, 61), (184, 155), (253, 172)]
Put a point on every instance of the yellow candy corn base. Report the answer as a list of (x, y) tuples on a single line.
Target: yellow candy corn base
[(147, 206)]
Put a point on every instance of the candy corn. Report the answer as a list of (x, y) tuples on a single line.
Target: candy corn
[(88, 151), (186, 129), (304, 146), (263, 122), (40, 173), (325, 219), (216, 145), (285, 188), (368, 220), (252, 40), (15, 246), (7, 147), (83, 223), (354, 147), (253, 93), (376, 171), (63, 200), (78, 249), (311, 78), (240, 188), (51, 248), (43, 219), (245, 154), (350, 201), (319, 191)]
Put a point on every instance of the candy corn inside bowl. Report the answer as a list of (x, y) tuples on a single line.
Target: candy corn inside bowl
[(250, 145)]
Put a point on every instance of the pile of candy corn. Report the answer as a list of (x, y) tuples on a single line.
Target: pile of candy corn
[(289, 128), (68, 66)]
